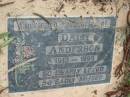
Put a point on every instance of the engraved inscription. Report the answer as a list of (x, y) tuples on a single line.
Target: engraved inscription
[(64, 54)]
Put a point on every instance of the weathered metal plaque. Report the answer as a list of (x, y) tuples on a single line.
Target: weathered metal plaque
[(59, 52)]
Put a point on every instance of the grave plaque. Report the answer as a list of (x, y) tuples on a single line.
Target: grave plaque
[(59, 52)]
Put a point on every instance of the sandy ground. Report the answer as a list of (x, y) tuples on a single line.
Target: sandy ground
[(48, 8)]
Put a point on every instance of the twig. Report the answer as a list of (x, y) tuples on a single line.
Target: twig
[(111, 93), (5, 4), (126, 56), (124, 91), (73, 1), (128, 15), (30, 1), (60, 8), (42, 17), (3, 89), (83, 1)]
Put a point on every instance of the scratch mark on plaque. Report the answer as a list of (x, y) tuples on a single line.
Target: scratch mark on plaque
[(22, 64), (102, 61), (69, 19)]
